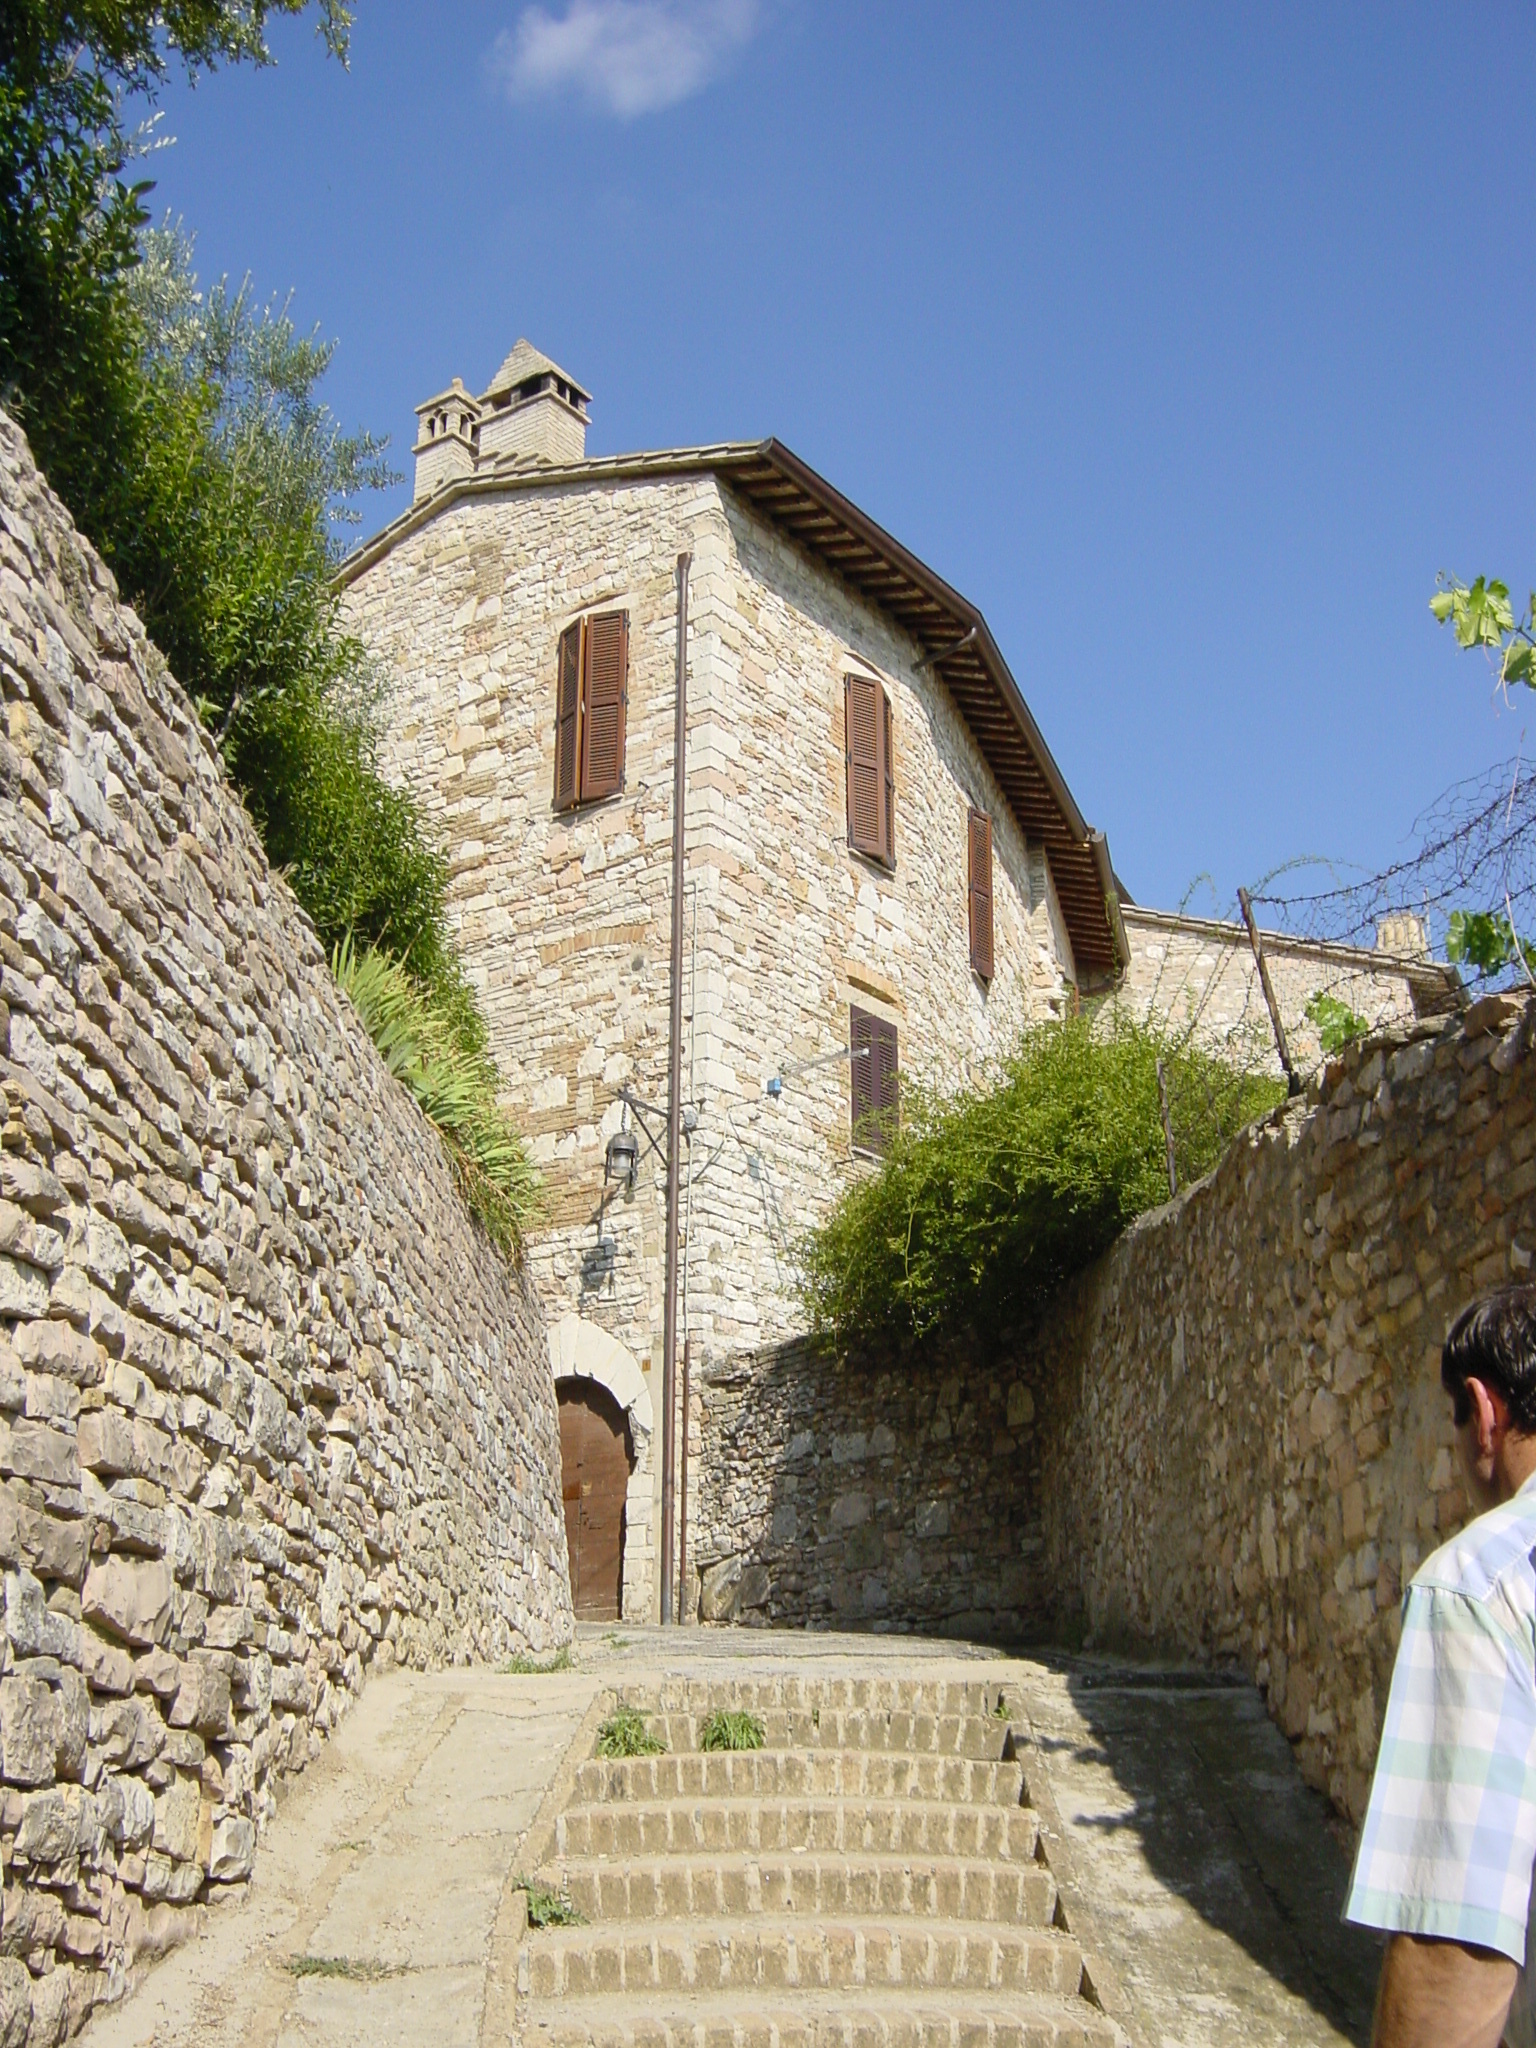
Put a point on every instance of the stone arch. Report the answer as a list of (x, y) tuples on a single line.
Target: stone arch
[(579, 1350)]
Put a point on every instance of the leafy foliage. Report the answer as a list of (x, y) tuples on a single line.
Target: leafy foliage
[(727, 1730), (228, 555), (435, 1045), (183, 429), (1481, 615), (69, 218), (624, 1733), (1486, 941), (547, 1907), (989, 1200), (1337, 1024)]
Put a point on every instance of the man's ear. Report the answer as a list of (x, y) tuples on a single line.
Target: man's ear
[(1490, 1412)]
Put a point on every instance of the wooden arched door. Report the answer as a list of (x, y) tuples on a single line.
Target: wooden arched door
[(594, 1469)]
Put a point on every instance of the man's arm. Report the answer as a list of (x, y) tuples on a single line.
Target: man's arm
[(1441, 1994)]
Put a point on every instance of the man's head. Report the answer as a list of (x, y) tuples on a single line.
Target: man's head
[(1488, 1367)]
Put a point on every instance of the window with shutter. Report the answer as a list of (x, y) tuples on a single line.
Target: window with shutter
[(602, 715), (592, 692), (863, 723), (980, 888), (875, 1092), (568, 720), (887, 785)]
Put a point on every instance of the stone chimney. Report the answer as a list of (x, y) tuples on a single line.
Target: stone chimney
[(445, 439), (1404, 933), (533, 411)]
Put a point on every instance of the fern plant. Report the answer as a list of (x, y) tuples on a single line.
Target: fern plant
[(428, 1044)]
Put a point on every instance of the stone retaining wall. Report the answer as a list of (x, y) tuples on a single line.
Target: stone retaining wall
[(850, 1495), (1245, 1450), (271, 1407), (1227, 1440)]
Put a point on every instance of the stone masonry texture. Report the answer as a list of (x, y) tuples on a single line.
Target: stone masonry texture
[(1245, 1449), (852, 1494), (1227, 1439), (563, 918), (272, 1408), (1196, 975)]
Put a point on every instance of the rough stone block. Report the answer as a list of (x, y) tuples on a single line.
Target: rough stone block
[(37, 1452), (31, 1727), (132, 1600), (52, 1548), (105, 1667), (233, 1853), (178, 1813), (202, 1699)]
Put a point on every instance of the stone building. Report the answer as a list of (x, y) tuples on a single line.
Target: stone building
[(886, 874), (1199, 974)]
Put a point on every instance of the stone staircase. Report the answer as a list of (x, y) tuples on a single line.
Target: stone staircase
[(870, 1878)]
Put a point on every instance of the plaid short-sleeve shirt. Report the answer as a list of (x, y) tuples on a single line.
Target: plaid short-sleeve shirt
[(1449, 1841)]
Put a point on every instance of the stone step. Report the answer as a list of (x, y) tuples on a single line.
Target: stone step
[(678, 1695), (778, 1954), (881, 1827), (808, 2020), (734, 1887), (814, 1773), (900, 1729)]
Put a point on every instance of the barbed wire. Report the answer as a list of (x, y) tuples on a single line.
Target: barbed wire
[(1474, 856)]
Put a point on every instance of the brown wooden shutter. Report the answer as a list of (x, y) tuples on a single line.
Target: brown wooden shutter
[(887, 1084), (861, 1046), (875, 1093), (887, 785), (568, 720), (980, 886), (862, 722), (602, 741)]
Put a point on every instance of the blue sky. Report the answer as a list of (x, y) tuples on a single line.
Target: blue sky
[(1188, 342)]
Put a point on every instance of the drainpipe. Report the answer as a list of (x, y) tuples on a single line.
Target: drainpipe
[(674, 1100)]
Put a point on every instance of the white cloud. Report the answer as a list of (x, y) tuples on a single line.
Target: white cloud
[(626, 57)]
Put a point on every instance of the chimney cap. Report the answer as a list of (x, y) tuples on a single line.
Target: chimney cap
[(456, 394), (526, 364)]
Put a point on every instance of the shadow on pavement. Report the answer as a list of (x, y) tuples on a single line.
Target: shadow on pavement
[(1216, 1875)]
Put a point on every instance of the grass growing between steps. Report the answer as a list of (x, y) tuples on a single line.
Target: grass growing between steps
[(547, 1908), (725, 1730), (521, 1665), (624, 1733)]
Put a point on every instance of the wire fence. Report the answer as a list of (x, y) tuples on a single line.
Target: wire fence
[(1346, 951)]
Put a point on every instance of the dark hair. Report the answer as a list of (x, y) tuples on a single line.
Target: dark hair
[(1495, 1341)]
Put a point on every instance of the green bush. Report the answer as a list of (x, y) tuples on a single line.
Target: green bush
[(183, 429), (989, 1200), (726, 1730), (624, 1733)]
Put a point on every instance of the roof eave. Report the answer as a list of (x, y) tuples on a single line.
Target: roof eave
[(1078, 842)]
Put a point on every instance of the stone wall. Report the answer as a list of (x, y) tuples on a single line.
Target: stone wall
[(1227, 1440), (901, 1497), (272, 1409), (1245, 1451)]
